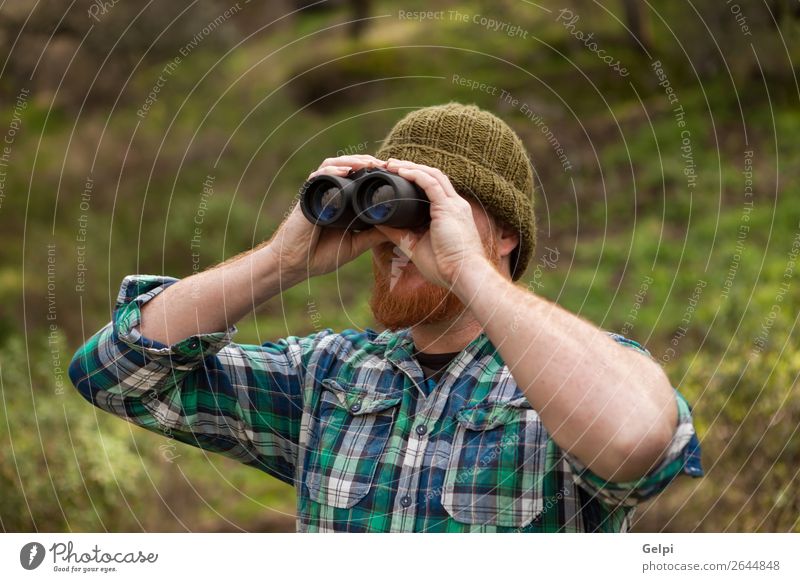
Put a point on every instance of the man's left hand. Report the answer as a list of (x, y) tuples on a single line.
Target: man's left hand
[(452, 241)]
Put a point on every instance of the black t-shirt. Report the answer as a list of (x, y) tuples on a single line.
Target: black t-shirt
[(434, 365)]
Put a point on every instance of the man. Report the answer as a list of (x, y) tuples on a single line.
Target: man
[(480, 407)]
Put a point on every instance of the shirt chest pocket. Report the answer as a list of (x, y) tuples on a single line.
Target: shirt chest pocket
[(496, 468), (347, 442)]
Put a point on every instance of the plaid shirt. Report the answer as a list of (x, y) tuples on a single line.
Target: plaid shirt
[(342, 417)]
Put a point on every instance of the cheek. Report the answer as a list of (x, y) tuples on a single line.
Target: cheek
[(481, 222)]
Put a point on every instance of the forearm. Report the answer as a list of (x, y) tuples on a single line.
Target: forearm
[(217, 298), (191, 394), (608, 405)]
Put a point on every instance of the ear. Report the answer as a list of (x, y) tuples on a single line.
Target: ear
[(507, 240)]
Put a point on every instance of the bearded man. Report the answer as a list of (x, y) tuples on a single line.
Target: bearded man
[(480, 407)]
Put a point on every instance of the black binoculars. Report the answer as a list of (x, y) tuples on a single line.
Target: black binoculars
[(364, 198)]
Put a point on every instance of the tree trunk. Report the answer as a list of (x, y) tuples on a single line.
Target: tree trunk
[(360, 10), (637, 25)]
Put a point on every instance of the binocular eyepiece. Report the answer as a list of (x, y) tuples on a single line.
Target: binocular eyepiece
[(363, 198)]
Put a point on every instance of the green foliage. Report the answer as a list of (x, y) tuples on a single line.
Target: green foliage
[(749, 423), (62, 468)]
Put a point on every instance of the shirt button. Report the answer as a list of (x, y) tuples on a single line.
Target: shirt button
[(405, 501), (421, 429), (355, 407), (194, 344)]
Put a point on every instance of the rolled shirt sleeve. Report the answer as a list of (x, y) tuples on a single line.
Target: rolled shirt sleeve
[(681, 457), (243, 401)]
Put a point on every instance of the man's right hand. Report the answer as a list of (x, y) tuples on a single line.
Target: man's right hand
[(218, 297), (303, 250)]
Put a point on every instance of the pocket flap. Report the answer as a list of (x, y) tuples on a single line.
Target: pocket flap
[(489, 415), (359, 401)]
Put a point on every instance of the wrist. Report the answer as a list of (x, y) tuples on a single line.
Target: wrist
[(277, 273), (475, 273)]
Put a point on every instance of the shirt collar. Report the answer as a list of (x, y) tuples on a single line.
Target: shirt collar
[(400, 346)]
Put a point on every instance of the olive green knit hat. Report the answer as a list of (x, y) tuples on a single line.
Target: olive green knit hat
[(481, 155)]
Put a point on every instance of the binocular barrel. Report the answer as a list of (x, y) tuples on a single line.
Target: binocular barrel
[(363, 198)]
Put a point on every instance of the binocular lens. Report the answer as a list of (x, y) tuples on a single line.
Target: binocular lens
[(379, 199), (328, 203)]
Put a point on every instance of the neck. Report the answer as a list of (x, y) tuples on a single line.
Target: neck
[(446, 336)]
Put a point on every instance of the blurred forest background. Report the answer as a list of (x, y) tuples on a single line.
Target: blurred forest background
[(667, 201)]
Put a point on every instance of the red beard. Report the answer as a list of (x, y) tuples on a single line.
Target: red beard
[(395, 305)]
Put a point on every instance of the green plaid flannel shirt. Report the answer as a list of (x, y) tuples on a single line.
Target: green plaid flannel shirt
[(341, 416)]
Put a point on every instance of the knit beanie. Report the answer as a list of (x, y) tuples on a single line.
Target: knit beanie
[(482, 157)]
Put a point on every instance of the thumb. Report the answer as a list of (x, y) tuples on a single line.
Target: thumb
[(362, 241), (399, 236), (402, 238)]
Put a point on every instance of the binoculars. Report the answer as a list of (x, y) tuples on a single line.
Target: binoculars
[(364, 198)]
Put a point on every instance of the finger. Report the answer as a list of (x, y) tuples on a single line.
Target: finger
[(441, 177), (357, 161), (368, 157), (362, 241), (331, 171), (395, 163), (435, 190), (401, 237), (393, 234)]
